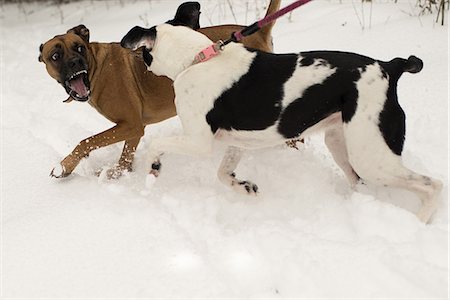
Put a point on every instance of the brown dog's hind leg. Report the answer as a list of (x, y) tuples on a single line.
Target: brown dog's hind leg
[(118, 133)]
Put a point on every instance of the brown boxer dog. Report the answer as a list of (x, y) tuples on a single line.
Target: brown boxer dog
[(115, 81)]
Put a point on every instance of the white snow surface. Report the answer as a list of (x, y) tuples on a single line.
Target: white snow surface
[(306, 235)]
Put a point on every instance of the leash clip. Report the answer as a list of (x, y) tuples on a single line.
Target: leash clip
[(209, 52)]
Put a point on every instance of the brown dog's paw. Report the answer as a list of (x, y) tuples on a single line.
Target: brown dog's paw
[(116, 172), (110, 174), (59, 172)]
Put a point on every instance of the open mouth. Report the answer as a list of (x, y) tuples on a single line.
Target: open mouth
[(77, 86)]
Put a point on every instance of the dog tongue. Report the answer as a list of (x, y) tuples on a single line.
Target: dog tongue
[(79, 87)]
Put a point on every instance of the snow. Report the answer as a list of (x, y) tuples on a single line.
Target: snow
[(307, 235)]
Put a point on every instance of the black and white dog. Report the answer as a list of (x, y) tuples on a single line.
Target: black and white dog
[(252, 99)]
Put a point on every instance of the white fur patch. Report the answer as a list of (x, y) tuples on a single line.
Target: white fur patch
[(175, 50), (304, 77), (249, 139), (363, 136), (200, 85)]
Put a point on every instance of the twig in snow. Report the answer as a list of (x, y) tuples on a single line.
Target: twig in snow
[(246, 12), (357, 15), (232, 11), (362, 14), (61, 13), (144, 19)]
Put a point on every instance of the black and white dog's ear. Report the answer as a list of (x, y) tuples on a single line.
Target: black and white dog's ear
[(40, 52), (82, 31), (138, 37), (188, 14)]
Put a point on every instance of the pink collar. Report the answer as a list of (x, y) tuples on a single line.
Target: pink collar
[(209, 52)]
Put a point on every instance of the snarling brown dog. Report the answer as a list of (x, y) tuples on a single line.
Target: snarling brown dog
[(117, 84)]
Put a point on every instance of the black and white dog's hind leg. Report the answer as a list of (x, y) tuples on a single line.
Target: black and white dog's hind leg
[(391, 172), (374, 138), (335, 142), (228, 177)]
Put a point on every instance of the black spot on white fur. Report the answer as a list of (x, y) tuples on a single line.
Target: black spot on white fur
[(156, 165), (254, 101), (249, 186), (392, 119), (337, 93), (148, 58)]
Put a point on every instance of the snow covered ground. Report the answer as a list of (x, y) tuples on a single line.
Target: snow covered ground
[(307, 234)]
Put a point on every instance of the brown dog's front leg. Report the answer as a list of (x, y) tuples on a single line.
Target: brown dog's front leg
[(126, 159), (116, 134)]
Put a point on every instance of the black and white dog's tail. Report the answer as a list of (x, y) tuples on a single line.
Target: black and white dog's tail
[(396, 67), (412, 65)]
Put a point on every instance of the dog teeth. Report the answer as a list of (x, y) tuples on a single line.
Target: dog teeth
[(79, 96), (77, 73)]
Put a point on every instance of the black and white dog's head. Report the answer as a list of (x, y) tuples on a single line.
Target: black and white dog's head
[(139, 37), (167, 50), (188, 15)]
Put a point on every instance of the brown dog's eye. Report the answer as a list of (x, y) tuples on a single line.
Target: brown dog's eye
[(55, 56), (80, 49)]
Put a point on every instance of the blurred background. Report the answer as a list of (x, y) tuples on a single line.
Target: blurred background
[(218, 10)]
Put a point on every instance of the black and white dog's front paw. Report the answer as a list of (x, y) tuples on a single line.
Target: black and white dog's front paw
[(244, 186), (156, 168), (152, 174)]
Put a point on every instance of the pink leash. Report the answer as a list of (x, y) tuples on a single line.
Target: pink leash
[(215, 49)]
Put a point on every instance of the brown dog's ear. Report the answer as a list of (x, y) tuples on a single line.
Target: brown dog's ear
[(188, 14), (40, 52), (82, 31)]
